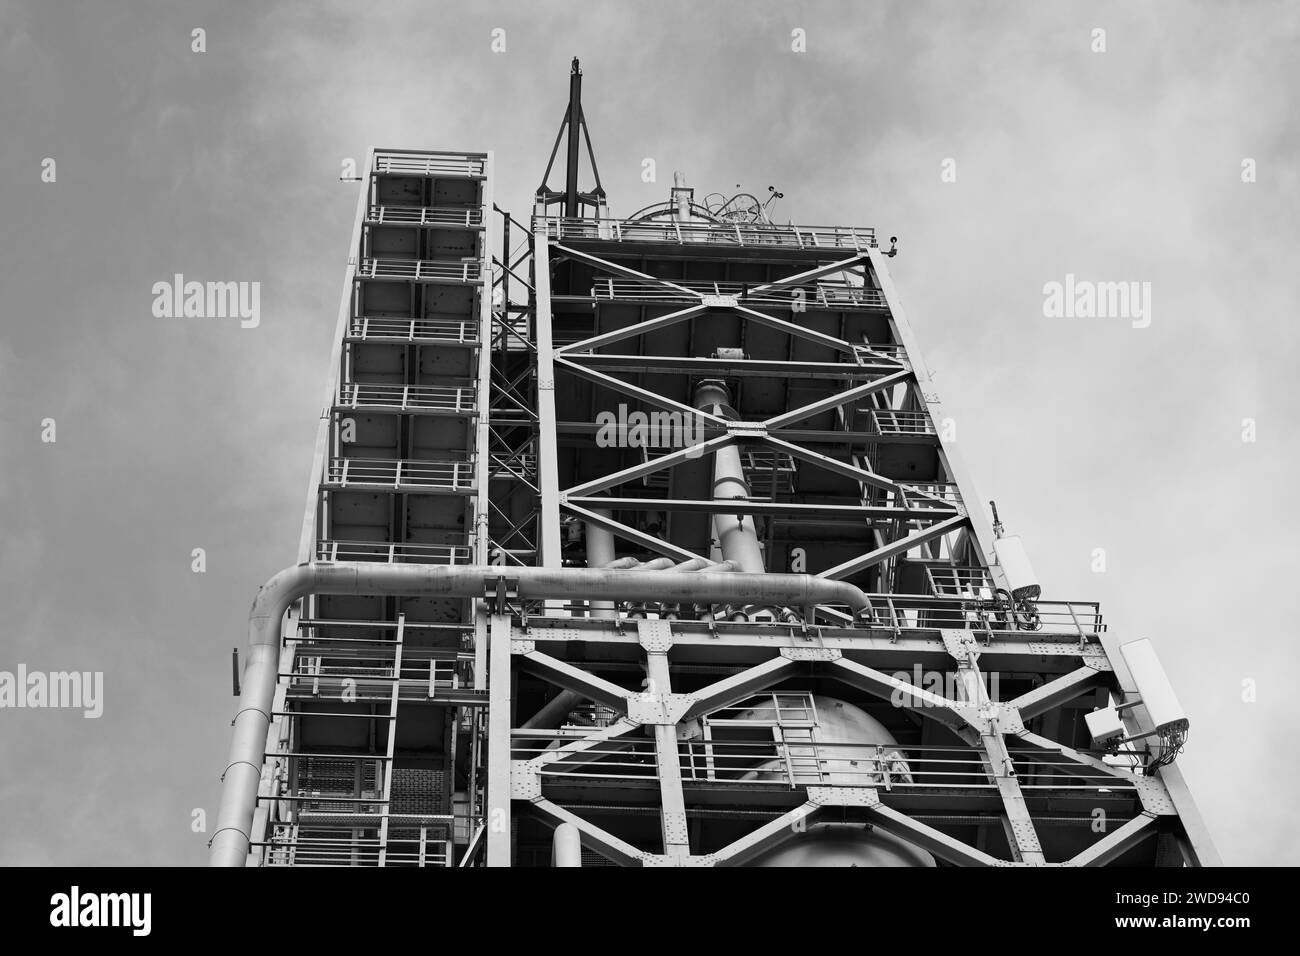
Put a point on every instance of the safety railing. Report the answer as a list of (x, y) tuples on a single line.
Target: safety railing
[(768, 470), (888, 421), (800, 762), (958, 582), (424, 841), (398, 329), (378, 635), (927, 494), (867, 353), (399, 474), (420, 270), (522, 467), (824, 294), (453, 399), (425, 846), (511, 331), (392, 553), (428, 164), (928, 612), (896, 612), (338, 671), (811, 762), (470, 217), (858, 238), (770, 709)]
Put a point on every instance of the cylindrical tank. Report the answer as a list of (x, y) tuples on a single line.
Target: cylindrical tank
[(842, 844), (846, 747)]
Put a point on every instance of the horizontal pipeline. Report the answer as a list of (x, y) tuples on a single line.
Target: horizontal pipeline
[(231, 842)]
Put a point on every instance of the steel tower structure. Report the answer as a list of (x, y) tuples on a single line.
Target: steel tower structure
[(639, 541)]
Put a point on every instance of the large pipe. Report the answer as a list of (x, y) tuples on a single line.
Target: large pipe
[(600, 553), (554, 711), (737, 534), (232, 840), (567, 849)]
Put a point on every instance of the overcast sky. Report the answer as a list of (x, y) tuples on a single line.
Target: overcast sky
[(175, 434)]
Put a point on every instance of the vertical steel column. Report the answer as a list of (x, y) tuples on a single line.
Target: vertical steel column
[(1022, 838), (480, 801), (498, 759), (548, 482), (656, 639), (480, 540), (575, 131)]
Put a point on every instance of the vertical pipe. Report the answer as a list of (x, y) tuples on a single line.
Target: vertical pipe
[(681, 197), (736, 534), (567, 849), (239, 793), (600, 553), (500, 718)]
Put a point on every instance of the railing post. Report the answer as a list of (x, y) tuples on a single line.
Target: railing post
[(1077, 626), (785, 750)]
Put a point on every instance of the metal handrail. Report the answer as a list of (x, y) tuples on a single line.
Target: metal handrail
[(905, 612), (428, 163), (807, 762), (450, 398), (462, 331), (825, 294), (389, 472), (859, 238), (384, 214), (890, 421), (420, 270), (330, 550)]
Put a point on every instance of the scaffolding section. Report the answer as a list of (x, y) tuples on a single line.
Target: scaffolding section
[(376, 743)]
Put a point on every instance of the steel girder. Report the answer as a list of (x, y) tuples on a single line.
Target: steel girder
[(988, 724), (764, 656)]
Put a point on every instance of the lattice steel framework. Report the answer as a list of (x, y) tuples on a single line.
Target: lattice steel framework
[(480, 361)]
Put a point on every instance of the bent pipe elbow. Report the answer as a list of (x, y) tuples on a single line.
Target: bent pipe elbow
[(232, 839)]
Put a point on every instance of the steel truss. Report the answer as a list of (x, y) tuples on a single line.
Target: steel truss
[(1029, 773), (476, 358)]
